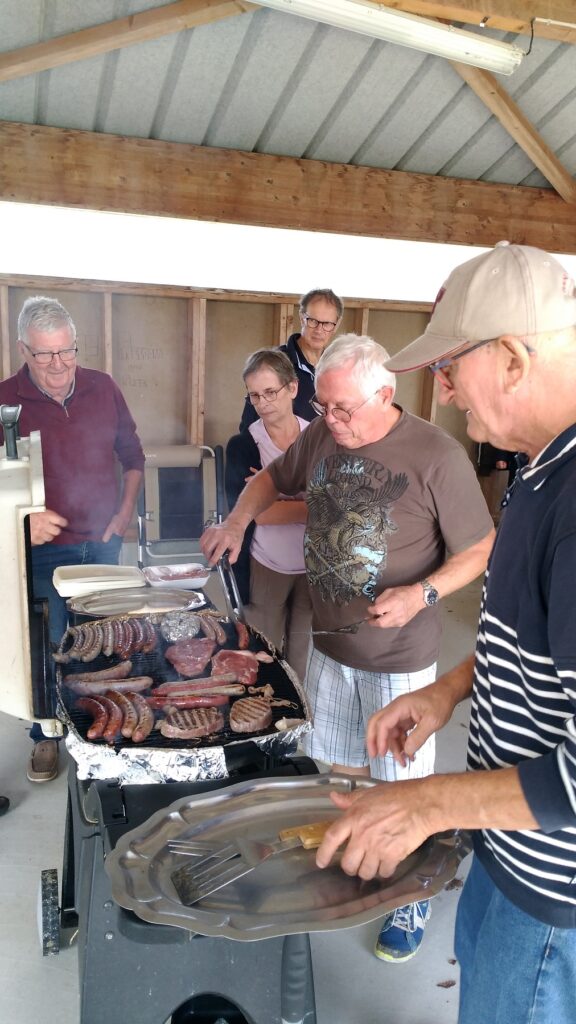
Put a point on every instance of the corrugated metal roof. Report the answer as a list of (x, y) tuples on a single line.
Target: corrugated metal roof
[(272, 83)]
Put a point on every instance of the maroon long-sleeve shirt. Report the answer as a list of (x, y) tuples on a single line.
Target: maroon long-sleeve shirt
[(82, 443)]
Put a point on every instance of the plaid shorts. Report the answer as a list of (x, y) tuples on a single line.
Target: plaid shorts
[(342, 700)]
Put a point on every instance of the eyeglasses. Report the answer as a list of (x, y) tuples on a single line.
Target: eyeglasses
[(326, 325), (270, 394), (440, 365), (67, 355), (438, 368), (343, 415)]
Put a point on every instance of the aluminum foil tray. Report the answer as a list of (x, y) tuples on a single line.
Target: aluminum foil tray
[(284, 895), (136, 601)]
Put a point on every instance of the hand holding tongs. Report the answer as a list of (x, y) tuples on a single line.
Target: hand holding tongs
[(230, 588)]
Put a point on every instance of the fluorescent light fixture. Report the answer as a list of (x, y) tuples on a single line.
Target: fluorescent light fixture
[(406, 30)]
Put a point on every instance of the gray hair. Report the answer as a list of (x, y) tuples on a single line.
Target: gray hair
[(270, 359), (321, 293), (43, 314), (367, 357)]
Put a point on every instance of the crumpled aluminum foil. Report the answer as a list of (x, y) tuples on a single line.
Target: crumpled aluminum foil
[(145, 765)]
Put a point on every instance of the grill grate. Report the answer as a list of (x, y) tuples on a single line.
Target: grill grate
[(155, 665)]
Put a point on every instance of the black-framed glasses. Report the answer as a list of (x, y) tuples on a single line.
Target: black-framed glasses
[(67, 355), (343, 415), (270, 394), (326, 325)]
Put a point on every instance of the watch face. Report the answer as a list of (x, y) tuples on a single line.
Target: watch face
[(430, 594)]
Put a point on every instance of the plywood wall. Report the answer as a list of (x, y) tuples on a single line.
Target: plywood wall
[(178, 353)]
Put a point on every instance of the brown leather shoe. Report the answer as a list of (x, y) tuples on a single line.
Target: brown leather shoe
[(43, 763)]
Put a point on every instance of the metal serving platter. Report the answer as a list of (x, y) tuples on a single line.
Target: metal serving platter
[(284, 895), (135, 601)]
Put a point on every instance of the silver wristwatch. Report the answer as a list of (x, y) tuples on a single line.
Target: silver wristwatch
[(431, 595)]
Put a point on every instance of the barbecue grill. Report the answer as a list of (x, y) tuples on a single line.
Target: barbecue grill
[(190, 967)]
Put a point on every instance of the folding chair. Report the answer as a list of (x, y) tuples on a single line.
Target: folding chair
[(183, 489)]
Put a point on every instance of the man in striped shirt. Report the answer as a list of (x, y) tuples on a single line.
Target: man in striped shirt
[(511, 313)]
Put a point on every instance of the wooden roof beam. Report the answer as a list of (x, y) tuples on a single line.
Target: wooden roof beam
[(495, 97), (114, 35), (553, 19), (61, 167)]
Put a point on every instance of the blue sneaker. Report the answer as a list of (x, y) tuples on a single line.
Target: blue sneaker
[(402, 932)]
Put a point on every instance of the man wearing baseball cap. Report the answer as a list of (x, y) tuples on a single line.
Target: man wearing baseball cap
[(502, 344)]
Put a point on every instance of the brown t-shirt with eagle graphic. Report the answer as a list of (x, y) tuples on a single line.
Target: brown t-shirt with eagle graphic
[(384, 515)]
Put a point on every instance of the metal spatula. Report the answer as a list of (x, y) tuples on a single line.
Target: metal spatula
[(212, 870)]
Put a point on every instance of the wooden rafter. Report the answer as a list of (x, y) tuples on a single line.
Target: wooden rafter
[(114, 35), (551, 19), (548, 19), (501, 104), (60, 167)]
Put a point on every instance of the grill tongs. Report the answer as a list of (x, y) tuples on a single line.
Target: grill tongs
[(230, 588), (213, 869)]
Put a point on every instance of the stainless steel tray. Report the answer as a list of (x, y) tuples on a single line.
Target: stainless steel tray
[(135, 601), (284, 895)]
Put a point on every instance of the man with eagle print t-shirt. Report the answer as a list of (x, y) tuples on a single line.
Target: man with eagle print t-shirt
[(396, 521)]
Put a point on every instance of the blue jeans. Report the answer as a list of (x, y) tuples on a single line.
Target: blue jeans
[(514, 969), (46, 558)]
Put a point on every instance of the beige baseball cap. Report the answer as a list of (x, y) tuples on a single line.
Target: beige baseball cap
[(513, 289)]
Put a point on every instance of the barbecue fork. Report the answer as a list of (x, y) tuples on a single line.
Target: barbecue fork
[(220, 867)]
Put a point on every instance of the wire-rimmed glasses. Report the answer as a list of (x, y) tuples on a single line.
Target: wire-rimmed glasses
[(67, 355), (269, 394), (343, 415)]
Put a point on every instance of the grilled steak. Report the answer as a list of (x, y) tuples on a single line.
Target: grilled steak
[(244, 664), (190, 657), (191, 724), (250, 714)]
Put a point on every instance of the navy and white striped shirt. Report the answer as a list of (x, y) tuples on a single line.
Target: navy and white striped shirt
[(524, 699)]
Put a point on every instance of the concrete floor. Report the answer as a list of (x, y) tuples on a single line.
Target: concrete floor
[(352, 986)]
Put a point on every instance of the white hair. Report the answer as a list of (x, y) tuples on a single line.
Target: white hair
[(43, 314), (366, 357)]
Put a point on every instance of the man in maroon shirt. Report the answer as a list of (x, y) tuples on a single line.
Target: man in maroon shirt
[(86, 429)]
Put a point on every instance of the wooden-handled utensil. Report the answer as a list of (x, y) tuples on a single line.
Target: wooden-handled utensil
[(210, 870)]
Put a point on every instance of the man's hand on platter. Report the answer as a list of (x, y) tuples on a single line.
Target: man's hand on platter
[(45, 526), (222, 538), (381, 827), (395, 607), (405, 724)]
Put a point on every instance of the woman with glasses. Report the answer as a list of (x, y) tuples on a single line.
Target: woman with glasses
[(270, 570), (320, 315)]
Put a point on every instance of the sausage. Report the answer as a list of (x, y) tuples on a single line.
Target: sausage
[(138, 636), (219, 630), (224, 679), (94, 687), (243, 635), (150, 637), (145, 718), (108, 638), (207, 627), (98, 711), (190, 701), (78, 634), (114, 672), (118, 633), (114, 723), (95, 647), (129, 713)]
